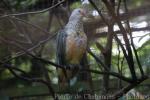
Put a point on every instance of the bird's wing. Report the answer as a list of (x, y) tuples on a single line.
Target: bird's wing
[(61, 56), (61, 47)]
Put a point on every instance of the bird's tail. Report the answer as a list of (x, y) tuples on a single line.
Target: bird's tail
[(65, 77)]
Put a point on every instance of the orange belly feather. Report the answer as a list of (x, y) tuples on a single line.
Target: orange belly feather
[(75, 48)]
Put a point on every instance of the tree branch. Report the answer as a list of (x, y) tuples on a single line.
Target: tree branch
[(132, 43), (12, 68), (127, 44), (128, 87), (35, 12), (64, 67)]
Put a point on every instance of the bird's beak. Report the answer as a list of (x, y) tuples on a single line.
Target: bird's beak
[(83, 12)]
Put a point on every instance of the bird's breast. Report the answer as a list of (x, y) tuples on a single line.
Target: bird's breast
[(75, 48)]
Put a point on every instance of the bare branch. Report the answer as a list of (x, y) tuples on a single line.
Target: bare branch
[(128, 87), (127, 44), (64, 67), (132, 43), (99, 12), (35, 12), (12, 69)]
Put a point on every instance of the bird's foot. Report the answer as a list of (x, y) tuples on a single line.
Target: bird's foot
[(73, 66)]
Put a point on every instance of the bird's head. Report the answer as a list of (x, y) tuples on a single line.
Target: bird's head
[(78, 13)]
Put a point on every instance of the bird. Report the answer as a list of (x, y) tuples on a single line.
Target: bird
[(71, 46)]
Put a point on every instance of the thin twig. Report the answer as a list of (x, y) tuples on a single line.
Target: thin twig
[(132, 43), (35, 12), (123, 91), (12, 68), (99, 12), (119, 5), (18, 54), (63, 67), (33, 25), (18, 28), (36, 45), (127, 43), (97, 59)]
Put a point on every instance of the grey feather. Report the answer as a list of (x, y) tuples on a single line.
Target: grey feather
[(60, 49), (74, 25)]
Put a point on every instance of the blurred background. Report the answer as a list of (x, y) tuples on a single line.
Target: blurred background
[(32, 25)]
